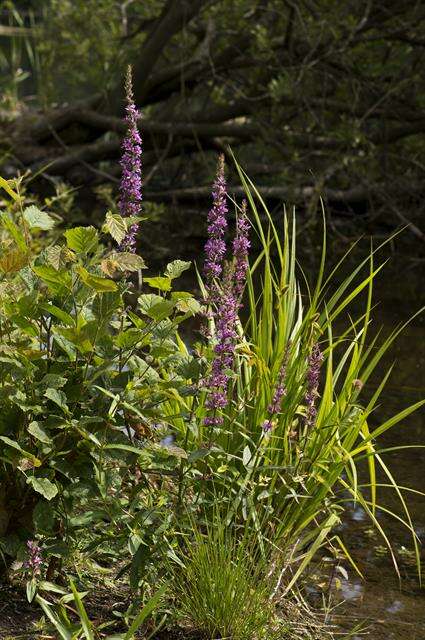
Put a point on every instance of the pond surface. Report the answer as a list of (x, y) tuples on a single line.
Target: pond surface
[(395, 608), (392, 608)]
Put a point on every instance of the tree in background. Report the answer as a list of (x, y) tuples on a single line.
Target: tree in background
[(316, 97)]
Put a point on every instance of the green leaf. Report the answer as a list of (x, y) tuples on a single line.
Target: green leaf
[(82, 239), (53, 380), (44, 486), (160, 282), (6, 186), (85, 622), (125, 447), (58, 281), (155, 306), (188, 305), (138, 564), (63, 628), (59, 255), (58, 397), (31, 589), (175, 269), (96, 282), (145, 613), (127, 261), (198, 454), (247, 457), (36, 218), (62, 315), (14, 231), (115, 226), (36, 430), (106, 304), (12, 443)]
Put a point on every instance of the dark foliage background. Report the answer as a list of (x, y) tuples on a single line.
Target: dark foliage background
[(316, 97)]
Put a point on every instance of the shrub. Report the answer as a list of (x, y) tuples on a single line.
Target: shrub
[(78, 377)]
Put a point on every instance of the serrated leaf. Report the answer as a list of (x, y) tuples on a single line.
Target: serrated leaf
[(59, 255), (82, 239), (96, 282), (175, 269), (43, 486), (105, 305), (127, 261), (148, 300), (189, 305), (36, 430), (155, 306), (57, 396), (53, 256), (115, 226), (35, 218)]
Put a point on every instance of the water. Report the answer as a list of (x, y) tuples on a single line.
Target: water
[(393, 608)]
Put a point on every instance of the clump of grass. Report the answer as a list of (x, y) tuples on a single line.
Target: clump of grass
[(221, 587)]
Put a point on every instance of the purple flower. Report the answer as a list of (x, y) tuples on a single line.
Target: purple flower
[(241, 245), (224, 284), (215, 247), (34, 561), (267, 426), (279, 393), (315, 360), (280, 388), (131, 181)]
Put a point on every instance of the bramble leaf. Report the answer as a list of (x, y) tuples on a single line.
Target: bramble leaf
[(96, 282), (115, 225), (37, 219), (82, 239), (175, 268)]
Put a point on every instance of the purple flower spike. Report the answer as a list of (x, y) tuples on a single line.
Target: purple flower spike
[(34, 561), (131, 181), (224, 284), (315, 360), (215, 247), (279, 393), (241, 245)]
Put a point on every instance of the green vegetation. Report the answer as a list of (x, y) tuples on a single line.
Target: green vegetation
[(113, 461)]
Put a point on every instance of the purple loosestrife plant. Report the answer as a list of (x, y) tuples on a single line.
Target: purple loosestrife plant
[(215, 247), (131, 181), (241, 245), (315, 360), (223, 298), (279, 393), (35, 560)]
